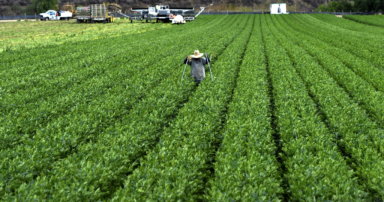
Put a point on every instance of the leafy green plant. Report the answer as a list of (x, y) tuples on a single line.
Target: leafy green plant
[(294, 113)]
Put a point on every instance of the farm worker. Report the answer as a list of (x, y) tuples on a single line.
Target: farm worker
[(197, 62)]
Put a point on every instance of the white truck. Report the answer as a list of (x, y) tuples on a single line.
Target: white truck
[(56, 15)]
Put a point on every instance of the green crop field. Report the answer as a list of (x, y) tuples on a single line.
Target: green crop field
[(99, 112), (375, 20)]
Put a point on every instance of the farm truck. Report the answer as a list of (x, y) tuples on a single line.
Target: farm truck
[(55, 15)]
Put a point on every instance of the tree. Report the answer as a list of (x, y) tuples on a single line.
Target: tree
[(44, 5), (354, 5), (336, 6), (369, 5)]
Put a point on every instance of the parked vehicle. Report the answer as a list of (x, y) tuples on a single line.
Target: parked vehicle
[(163, 13), (56, 15)]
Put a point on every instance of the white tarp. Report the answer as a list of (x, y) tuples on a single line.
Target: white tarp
[(178, 19), (278, 8)]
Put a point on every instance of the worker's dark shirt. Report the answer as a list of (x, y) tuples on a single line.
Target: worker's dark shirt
[(197, 67)]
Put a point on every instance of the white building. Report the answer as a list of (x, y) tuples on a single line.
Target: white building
[(279, 8)]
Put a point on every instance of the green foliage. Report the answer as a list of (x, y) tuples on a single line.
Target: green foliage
[(44, 5), (246, 168), (374, 20), (23, 35), (359, 134), (369, 5), (314, 165), (186, 148), (336, 6), (295, 112)]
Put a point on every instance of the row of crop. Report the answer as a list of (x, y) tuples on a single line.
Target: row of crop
[(374, 20), (178, 167), (315, 170), (26, 117), (245, 165), (361, 138), (361, 44), (95, 170), (363, 89)]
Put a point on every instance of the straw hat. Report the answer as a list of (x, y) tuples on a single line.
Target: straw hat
[(197, 54)]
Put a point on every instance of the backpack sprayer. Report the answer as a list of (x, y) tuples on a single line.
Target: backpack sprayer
[(209, 66)]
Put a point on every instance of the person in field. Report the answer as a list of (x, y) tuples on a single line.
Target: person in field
[(197, 61)]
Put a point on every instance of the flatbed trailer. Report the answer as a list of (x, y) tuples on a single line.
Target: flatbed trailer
[(160, 13), (93, 13)]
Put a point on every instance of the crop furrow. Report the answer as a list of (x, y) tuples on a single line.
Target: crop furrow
[(217, 141), (274, 122)]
